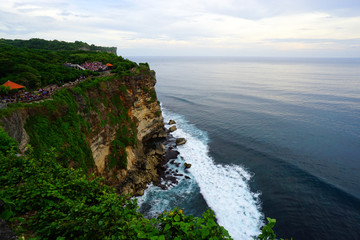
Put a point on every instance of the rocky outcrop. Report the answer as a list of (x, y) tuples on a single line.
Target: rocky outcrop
[(180, 141), (172, 129)]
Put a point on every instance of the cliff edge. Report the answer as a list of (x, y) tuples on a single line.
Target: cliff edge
[(111, 126)]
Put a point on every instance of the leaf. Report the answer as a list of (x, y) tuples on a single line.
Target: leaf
[(177, 218), (167, 227), (204, 233), (6, 214), (141, 235)]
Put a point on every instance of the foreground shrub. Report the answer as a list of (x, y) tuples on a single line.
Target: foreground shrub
[(6, 142), (45, 200)]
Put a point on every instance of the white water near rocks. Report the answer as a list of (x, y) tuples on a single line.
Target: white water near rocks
[(224, 187)]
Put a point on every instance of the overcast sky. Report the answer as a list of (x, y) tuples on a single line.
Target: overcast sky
[(301, 28)]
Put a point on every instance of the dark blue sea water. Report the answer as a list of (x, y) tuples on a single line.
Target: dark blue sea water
[(267, 137)]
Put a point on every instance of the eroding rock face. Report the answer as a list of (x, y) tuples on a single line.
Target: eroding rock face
[(100, 149), (160, 149)]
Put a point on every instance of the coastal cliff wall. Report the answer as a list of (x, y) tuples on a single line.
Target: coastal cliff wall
[(111, 126)]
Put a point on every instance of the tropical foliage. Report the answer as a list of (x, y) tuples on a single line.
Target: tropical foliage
[(6, 143), (38, 65), (54, 45)]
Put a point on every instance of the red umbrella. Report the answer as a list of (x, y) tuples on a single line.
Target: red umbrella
[(13, 85)]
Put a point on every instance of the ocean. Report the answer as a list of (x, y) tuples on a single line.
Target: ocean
[(267, 137)]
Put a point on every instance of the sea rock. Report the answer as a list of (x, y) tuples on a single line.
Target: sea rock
[(171, 122), (140, 192), (172, 129), (187, 165), (180, 141), (171, 154)]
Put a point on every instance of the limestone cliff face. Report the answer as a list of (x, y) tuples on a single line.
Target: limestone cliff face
[(136, 97), (145, 112)]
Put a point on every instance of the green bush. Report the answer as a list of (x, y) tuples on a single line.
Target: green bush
[(123, 88), (4, 90), (176, 225), (153, 96), (267, 232), (6, 143)]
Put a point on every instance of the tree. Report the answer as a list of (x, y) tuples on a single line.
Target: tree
[(4, 90), (6, 142)]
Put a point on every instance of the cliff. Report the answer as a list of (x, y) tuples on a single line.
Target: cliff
[(111, 126)]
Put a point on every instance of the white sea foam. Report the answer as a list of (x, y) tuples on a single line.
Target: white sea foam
[(224, 187)]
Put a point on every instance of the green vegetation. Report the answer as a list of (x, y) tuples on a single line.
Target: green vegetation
[(153, 96), (58, 124), (4, 90), (62, 128), (123, 88), (36, 43), (125, 135), (37, 63), (6, 142), (267, 232), (45, 200)]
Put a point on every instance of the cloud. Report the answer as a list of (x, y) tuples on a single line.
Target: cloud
[(192, 27)]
